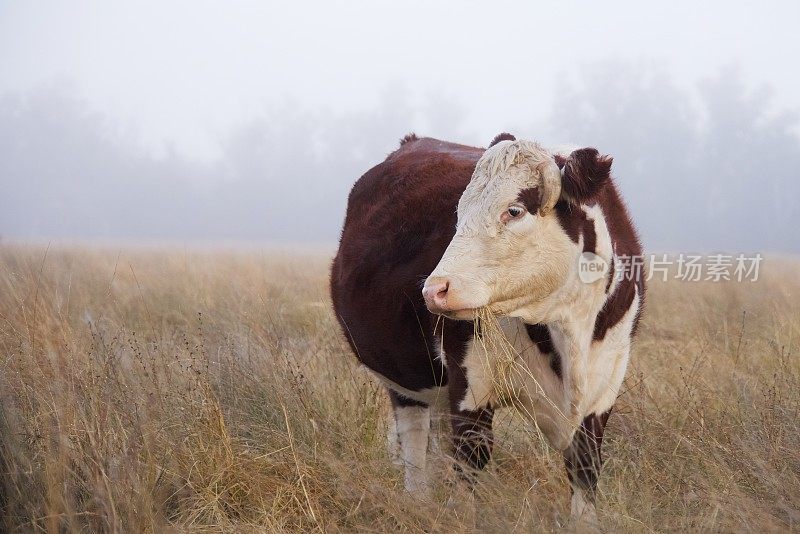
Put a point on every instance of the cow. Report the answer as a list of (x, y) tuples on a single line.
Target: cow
[(439, 239)]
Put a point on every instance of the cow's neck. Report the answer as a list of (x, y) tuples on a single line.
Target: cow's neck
[(570, 313)]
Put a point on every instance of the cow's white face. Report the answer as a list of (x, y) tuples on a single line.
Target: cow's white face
[(509, 251)]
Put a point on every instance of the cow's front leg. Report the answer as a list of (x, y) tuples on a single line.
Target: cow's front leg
[(471, 395), (410, 430), (583, 461), (472, 440), (471, 414)]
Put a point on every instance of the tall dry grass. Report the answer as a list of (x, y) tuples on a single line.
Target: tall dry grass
[(188, 391)]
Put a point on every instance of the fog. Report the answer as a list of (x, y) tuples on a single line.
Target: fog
[(707, 159)]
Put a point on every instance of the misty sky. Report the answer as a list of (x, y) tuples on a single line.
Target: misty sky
[(217, 120)]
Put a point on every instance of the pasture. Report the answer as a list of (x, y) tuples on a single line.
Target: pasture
[(152, 390)]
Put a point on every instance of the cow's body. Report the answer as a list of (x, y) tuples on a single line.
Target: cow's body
[(401, 217)]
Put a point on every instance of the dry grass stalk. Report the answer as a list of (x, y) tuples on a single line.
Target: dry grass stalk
[(207, 391)]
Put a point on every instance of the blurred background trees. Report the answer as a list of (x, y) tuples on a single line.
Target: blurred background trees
[(705, 168)]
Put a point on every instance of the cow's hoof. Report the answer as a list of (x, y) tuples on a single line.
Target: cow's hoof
[(583, 514)]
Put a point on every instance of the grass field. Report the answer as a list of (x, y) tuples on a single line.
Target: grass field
[(157, 390)]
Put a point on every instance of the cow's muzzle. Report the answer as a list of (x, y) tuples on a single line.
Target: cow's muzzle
[(435, 294)]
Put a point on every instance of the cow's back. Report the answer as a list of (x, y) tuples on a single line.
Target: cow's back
[(401, 215)]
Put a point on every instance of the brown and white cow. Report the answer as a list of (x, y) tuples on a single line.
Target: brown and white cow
[(441, 229)]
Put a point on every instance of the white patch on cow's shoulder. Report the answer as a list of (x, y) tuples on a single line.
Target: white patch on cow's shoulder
[(477, 366), (608, 361)]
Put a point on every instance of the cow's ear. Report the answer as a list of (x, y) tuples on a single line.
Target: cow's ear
[(502, 137), (583, 174)]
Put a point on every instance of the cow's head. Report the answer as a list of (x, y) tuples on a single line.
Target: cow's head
[(509, 251)]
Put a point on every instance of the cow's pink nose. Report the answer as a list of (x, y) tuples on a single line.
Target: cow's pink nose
[(435, 295)]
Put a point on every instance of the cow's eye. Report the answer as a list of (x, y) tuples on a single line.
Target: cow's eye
[(511, 213), (515, 211)]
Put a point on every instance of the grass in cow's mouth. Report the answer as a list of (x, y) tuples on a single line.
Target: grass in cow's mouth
[(505, 365), (210, 392)]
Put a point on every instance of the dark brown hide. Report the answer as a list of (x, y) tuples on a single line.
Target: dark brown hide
[(401, 215)]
